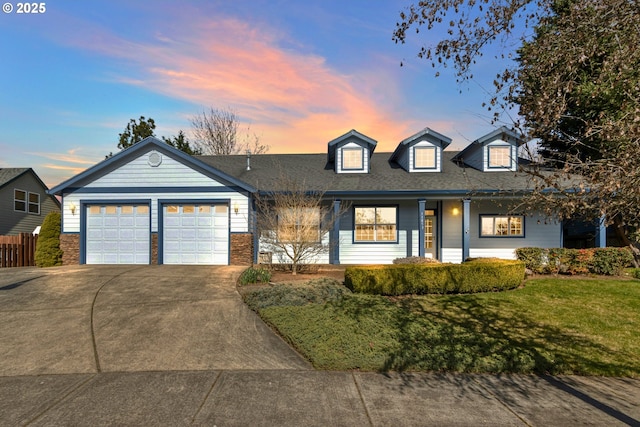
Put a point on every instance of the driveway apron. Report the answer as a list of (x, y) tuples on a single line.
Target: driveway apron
[(82, 319)]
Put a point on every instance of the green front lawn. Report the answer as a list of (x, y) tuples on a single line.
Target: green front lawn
[(551, 325)]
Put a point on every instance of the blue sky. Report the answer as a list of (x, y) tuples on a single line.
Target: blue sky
[(298, 73)]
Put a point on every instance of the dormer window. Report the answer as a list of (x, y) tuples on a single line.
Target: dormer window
[(351, 153), (352, 158), (499, 156), (495, 152), (424, 157), (421, 152)]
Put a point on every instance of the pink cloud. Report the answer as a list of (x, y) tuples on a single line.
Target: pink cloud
[(293, 99)]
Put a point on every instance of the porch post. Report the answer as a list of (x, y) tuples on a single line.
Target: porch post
[(334, 240), (421, 205), (253, 225), (465, 228), (439, 217), (601, 233)]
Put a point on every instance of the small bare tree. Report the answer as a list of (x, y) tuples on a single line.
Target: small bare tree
[(295, 222), (218, 132)]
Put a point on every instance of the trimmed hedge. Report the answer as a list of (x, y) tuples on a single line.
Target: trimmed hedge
[(603, 261), (403, 279)]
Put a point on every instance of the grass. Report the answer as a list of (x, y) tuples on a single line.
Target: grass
[(551, 325)]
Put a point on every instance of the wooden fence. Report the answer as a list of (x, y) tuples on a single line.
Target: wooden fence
[(18, 251)]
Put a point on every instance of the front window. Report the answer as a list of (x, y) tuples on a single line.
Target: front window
[(352, 158), (375, 224), (424, 157), (500, 157), (24, 201), (299, 224), (501, 226)]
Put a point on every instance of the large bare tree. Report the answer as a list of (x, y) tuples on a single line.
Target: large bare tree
[(296, 222), (218, 132)]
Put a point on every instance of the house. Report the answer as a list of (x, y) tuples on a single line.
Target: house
[(24, 201), (153, 204)]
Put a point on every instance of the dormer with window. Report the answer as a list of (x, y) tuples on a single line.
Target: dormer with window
[(351, 152), (495, 152), (421, 152)]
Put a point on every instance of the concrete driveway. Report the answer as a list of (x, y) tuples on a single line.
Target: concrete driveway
[(87, 319)]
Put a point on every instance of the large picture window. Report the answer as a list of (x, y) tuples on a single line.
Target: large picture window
[(24, 201), (501, 226), (424, 157), (375, 224), (299, 224), (352, 158), (500, 156)]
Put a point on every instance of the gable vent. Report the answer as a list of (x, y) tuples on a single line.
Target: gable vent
[(154, 159)]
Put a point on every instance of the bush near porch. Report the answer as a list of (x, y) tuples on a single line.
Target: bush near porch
[(601, 261), (480, 275)]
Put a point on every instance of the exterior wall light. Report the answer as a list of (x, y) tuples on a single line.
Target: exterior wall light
[(72, 208), (455, 211)]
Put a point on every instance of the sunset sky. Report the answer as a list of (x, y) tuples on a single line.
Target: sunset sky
[(300, 73)]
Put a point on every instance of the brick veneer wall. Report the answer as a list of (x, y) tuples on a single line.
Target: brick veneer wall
[(154, 248), (241, 249), (70, 245)]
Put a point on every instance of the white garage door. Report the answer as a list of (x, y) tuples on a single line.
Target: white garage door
[(195, 234), (117, 234)]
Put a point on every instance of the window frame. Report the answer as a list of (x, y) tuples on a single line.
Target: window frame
[(435, 158), (502, 236), (297, 225), (28, 204), (352, 149), (509, 157), (375, 225)]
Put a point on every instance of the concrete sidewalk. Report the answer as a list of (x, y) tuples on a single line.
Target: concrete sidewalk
[(311, 398)]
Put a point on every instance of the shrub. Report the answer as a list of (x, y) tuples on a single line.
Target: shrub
[(636, 273), (402, 279), (48, 252), (415, 260), (254, 275), (605, 261), (317, 291), (535, 259), (611, 261), (300, 268)]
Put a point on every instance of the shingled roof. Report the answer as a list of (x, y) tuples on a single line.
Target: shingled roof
[(386, 176), (9, 174)]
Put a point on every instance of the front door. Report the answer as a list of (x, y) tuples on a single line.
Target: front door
[(430, 234)]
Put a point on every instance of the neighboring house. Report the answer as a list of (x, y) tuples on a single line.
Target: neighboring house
[(24, 201), (153, 204)]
